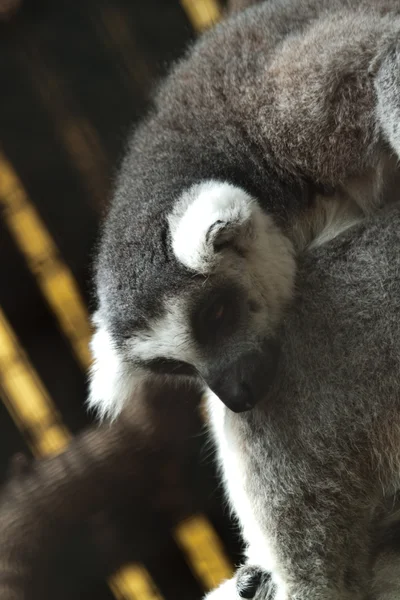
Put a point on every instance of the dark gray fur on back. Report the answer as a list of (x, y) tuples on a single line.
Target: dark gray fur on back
[(254, 105)]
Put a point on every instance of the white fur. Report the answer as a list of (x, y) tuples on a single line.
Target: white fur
[(339, 214), (112, 379), (169, 336), (199, 208), (225, 591), (258, 552)]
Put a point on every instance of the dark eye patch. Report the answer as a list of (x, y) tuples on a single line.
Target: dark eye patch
[(167, 366), (217, 314)]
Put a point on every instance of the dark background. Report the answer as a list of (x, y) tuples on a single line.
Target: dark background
[(74, 78)]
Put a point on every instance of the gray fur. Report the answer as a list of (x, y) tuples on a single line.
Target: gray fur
[(319, 457), (262, 101)]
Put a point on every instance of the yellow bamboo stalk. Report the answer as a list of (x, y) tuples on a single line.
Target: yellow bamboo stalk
[(53, 277), (202, 13), (133, 581), (204, 551), (27, 399)]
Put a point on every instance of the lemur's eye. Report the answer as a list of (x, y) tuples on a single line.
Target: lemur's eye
[(217, 316), (214, 313), (217, 313)]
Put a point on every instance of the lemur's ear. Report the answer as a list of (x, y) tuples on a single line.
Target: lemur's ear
[(224, 233), (206, 219)]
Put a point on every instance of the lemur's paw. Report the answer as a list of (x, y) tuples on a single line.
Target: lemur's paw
[(254, 583)]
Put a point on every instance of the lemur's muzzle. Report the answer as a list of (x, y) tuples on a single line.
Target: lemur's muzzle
[(243, 383)]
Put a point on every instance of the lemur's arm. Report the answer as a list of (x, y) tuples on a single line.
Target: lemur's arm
[(334, 102), (328, 104)]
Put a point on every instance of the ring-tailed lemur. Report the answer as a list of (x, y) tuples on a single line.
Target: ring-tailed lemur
[(216, 196), (219, 194)]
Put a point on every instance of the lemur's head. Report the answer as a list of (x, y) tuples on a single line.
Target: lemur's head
[(196, 291)]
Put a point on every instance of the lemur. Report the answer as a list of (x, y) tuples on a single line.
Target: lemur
[(276, 132), (220, 188)]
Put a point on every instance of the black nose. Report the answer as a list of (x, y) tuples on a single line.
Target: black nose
[(237, 396), (247, 380)]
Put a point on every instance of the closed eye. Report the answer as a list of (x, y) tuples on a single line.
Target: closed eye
[(217, 316), (167, 366)]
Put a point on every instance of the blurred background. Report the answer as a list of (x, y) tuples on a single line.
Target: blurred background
[(74, 78)]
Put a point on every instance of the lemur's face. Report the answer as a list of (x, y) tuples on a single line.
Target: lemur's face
[(213, 317)]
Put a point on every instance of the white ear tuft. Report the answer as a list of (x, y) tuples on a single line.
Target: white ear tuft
[(206, 217), (112, 380)]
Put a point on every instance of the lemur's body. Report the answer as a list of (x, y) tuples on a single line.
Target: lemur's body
[(276, 132), (313, 469)]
